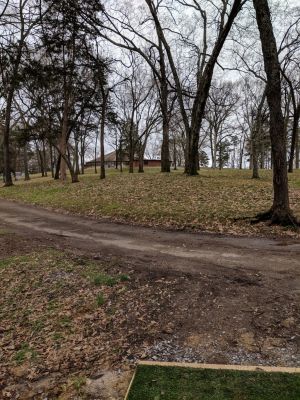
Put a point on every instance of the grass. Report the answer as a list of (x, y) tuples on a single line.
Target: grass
[(104, 279), (25, 353), (100, 299), (212, 201), (42, 295), (7, 262), (176, 383)]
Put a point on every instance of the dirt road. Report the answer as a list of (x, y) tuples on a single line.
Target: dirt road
[(187, 297), (189, 253)]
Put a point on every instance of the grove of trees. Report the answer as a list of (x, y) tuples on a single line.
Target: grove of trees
[(192, 82)]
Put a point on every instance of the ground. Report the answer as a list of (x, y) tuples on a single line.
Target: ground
[(82, 300), (216, 201), (177, 383)]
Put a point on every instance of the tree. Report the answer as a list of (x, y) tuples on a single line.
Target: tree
[(280, 212), (18, 20), (67, 42), (133, 33), (219, 110), (205, 70), (137, 109)]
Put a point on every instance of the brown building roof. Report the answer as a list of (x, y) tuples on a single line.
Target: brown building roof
[(111, 157)]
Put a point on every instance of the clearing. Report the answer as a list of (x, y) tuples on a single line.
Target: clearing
[(216, 201)]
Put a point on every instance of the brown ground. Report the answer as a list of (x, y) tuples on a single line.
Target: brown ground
[(189, 297)]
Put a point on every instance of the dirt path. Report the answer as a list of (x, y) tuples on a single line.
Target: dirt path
[(187, 297), (189, 253)]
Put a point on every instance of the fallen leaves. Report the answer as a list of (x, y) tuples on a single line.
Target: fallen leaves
[(214, 201)]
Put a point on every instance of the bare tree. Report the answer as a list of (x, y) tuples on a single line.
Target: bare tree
[(18, 20), (280, 213), (206, 66)]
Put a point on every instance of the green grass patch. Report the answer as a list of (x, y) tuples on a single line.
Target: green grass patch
[(10, 261), (177, 383), (100, 299), (25, 353), (104, 279)]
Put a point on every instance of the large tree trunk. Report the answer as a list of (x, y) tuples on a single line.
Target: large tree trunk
[(193, 129), (256, 137), (165, 148), (280, 212), (198, 110)]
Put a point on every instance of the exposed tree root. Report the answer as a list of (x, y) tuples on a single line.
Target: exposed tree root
[(278, 217)]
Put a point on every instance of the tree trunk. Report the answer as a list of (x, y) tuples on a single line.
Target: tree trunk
[(132, 146), (165, 148), (131, 159), (57, 169), (204, 85), (255, 169), (102, 133), (45, 160), (51, 159), (26, 169), (297, 149), (74, 175), (63, 142), (39, 156), (6, 151), (280, 212), (256, 136), (82, 155), (174, 155), (142, 156), (76, 158), (294, 137), (141, 163)]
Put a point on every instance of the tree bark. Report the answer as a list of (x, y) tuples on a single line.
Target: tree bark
[(26, 169), (63, 142), (294, 137), (102, 134), (256, 135), (6, 151), (141, 164), (204, 85), (57, 169), (165, 148), (297, 150), (51, 159), (280, 212)]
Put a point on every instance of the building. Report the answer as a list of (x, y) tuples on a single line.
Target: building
[(111, 161)]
